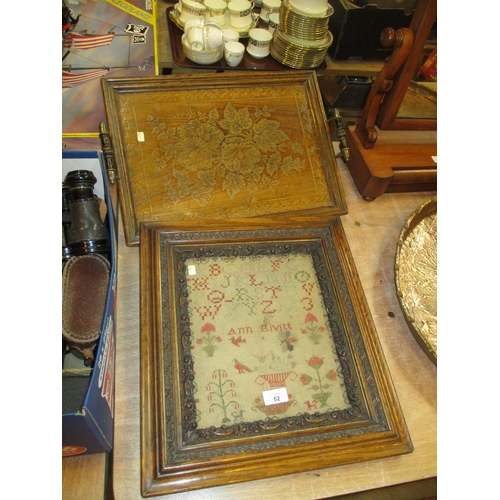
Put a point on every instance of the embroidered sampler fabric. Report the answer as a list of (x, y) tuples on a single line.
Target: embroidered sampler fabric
[(259, 323)]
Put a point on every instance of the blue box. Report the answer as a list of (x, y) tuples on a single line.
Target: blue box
[(89, 429)]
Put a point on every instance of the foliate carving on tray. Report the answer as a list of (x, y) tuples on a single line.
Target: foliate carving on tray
[(234, 153), (242, 150)]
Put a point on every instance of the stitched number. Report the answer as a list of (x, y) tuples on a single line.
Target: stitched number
[(307, 303)]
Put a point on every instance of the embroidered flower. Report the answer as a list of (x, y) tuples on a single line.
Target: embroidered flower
[(312, 330), (208, 339), (315, 362), (310, 317)]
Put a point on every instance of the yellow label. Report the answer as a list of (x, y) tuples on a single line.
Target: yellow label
[(133, 10)]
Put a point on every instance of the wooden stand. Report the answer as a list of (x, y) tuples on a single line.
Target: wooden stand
[(405, 156), (401, 161)]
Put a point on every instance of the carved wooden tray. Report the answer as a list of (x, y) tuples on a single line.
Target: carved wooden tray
[(258, 355), (221, 145)]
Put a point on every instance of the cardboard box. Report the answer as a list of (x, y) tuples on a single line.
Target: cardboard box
[(88, 393), (357, 26)]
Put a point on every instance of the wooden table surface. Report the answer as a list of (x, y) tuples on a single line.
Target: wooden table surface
[(372, 230)]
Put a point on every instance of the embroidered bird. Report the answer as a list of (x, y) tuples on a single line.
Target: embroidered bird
[(238, 341), (241, 367)]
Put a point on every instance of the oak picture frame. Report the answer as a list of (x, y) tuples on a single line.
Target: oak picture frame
[(177, 455)]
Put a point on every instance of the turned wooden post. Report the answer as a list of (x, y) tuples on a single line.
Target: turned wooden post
[(402, 41), (421, 25)]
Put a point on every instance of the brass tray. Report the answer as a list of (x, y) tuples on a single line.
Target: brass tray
[(416, 275), (258, 355), (224, 145)]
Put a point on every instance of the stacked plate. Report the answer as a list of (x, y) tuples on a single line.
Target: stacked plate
[(205, 57), (301, 25), (302, 40)]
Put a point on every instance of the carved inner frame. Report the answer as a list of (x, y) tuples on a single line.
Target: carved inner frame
[(189, 440)]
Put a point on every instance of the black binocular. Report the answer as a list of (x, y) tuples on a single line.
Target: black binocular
[(84, 231)]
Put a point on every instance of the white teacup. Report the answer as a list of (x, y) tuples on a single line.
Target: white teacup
[(240, 13), (233, 53), (259, 42), (214, 37), (192, 10), (193, 22), (195, 36), (230, 35), (269, 7), (216, 11), (274, 22)]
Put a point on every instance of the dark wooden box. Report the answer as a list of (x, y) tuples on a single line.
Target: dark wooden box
[(356, 29)]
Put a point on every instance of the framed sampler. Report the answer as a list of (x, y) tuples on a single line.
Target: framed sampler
[(221, 146), (259, 356)]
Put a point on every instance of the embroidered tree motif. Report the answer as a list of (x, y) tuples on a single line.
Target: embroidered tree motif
[(209, 339), (316, 362), (312, 330), (220, 390)]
